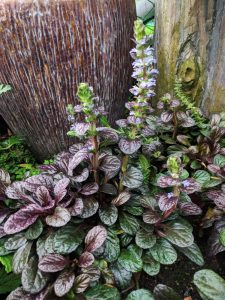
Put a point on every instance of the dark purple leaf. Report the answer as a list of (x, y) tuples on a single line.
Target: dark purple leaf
[(122, 198), (167, 181), (81, 283), (148, 131), (108, 134), (166, 116), (79, 157), (129, 146), (151, 216), (213, 168), (188, 122), (75, 148), (82, 176), (52, 263), (64, 283), (218, 197), (190, 209), (95, 238), (60, 217), (89, 189), (60, 189), (22, 219), (122, 123), (174, 103), (20, 294), (32, 183), (86, 259), (15, 190), (167, 201), (80, 128), (77, 208), (109, 189), (110, 165), (43, 197)]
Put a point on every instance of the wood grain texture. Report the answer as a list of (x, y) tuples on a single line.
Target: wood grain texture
[(190, 44), (47, 48)]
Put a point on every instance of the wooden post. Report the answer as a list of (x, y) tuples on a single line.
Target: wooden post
[(190, 45), (47, 48)]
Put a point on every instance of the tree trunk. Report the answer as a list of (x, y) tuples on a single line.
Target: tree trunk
[(47, 48), (190, 45)]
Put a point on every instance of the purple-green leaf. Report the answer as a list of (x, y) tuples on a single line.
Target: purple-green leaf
[(60, 217), (95, 238), (86, 259), (21, 220), (64, 283), (52, 263), (122, 198), (89, 189), (129, 146)]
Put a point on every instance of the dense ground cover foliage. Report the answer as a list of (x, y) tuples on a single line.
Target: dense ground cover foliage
[(121, 200)]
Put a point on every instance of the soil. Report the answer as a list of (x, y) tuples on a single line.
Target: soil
[(179, 276)]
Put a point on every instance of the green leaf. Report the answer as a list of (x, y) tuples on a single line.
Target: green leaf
[(163, 252), (201, 176), (108, 214), (134, 210), (67, 239), (112, 246), (210, 285), (150, 266), (195, 165), (163, 292), (3, 250), (144, 239), (8, 282), (33, 280), (34, 231), (130, 261), (140, 294), (122, 277), (193, 253), (219, 160), (179, 234), (128, 223), (21, 257), (133, 178), (125, 239), (4, 88), (135, 249), (6, 261), (102, 292), (222, 236)]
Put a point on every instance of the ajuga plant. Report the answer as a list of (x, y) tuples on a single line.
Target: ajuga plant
[(119, 201)]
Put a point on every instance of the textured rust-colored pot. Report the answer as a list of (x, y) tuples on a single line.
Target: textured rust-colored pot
[(47, 48)]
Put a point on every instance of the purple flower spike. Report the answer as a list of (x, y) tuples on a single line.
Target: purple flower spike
[(170, 195)]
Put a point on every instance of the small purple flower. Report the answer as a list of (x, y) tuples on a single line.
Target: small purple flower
[(149, 51), (134, 90), (154, 72), (71, 118), (186, 183), (170, 195), (151, 93), (78, 108)]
